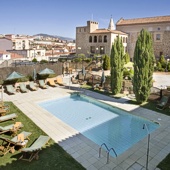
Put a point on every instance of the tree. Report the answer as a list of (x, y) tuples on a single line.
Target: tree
[(162, 59), (143, 66), (117, 62), (34, 60), (106, 62), (162, 62), (126, 58)]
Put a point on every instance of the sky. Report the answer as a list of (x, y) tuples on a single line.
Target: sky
[(61, 17)]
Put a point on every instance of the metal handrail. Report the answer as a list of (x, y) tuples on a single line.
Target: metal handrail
[(108, 151), (111, 149)]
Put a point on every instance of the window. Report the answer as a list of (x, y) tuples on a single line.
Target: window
[(92, 49), (158, 37), (95, 39), (168, 28), (125, 49), (124, 40), (79, 29), (100, 38), (105, 38), (90, 38), (84, 29), (102, 50), (150, 29), (159, 29)]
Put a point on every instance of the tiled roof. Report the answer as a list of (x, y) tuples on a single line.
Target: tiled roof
[(158, 19), (4, 52), (15, 56), (5, 38), (100, 31)]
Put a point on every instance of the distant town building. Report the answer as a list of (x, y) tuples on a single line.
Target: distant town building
[(5, 55), (22, 42), (91, 40), (158, 26), (5, 44)]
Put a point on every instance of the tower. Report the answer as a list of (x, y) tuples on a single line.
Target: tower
[(111, 24)]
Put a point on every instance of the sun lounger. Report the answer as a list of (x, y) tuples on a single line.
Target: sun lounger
[(13, 128), (60, 81), (8, 145), (3, 105), (32, 152), (162, 103), (42, 84), (32, 86), (10, 89), (52, 83), (8, 117), (3, 111), (23, 88)]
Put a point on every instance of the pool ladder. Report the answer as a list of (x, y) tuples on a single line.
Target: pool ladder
[(108, 151)]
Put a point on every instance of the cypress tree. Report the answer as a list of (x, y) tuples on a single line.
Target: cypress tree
[(106, 62), (143, 66), (116, 62)]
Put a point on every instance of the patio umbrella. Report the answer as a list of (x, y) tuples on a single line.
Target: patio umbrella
[(34, 74), (14, 75), (46, 71), (103, 79)]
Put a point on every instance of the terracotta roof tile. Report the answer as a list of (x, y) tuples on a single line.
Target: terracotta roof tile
[(158, 19), (104, 31), (15, 56)]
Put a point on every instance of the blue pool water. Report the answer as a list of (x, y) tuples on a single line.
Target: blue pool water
[(100, 122)]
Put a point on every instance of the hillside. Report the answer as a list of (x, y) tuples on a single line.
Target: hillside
[(55, 36)]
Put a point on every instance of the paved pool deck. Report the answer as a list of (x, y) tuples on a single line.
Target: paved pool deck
[(84, 150)]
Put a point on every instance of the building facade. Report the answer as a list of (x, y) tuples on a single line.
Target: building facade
[(91, 40), (159, 27), (5, 44)]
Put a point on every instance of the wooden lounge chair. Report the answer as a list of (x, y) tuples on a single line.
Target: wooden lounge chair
[(52, 83), (8, 117), (32, 86), (3, 111), (163, 103), (10, 89), (42, 84), (13, 128), (60, 81), (23, 88), (8, 145), (3, 105), (32, 152)]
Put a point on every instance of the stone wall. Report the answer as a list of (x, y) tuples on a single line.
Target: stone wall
[(162, 46), (28, 70), (57, 67)]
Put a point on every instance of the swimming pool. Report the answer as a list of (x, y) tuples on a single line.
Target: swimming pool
[(100, 122)]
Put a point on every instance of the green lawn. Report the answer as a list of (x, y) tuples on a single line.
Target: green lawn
[(51, 157), (165, 164)]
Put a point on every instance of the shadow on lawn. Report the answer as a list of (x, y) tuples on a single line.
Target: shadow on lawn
[(51, 157)]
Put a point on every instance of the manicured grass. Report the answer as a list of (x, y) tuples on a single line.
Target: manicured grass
[(151, 105), (51, 157), (165, 164)]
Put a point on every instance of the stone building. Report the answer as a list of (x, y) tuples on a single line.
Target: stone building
[(91, 40), (158, 26)]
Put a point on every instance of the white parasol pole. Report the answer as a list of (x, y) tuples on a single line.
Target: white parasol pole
[(2, 90)]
